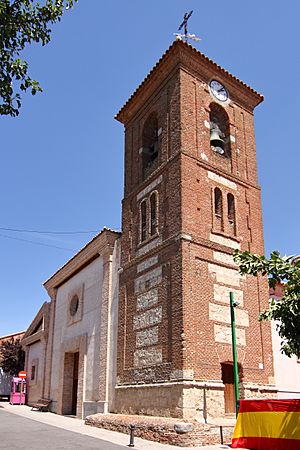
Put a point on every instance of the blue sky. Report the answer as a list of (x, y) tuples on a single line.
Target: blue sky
[(62, 158)]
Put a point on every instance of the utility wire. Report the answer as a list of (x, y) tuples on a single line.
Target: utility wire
[(36, 243), (48, 232)]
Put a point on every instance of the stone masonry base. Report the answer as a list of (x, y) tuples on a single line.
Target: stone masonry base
[(182, 433), (186, 400), (193, 400)]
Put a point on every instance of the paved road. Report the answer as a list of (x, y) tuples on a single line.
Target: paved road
[(17, 432)]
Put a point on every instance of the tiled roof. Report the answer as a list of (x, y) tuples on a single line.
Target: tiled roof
[(196, 52), (82, 249), (11, 335)]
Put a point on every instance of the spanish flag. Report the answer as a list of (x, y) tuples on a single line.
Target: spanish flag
[(268, 425)]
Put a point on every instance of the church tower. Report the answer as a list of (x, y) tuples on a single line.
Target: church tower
[(191, 196)]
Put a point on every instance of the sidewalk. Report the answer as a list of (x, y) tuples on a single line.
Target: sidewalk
[(78, 426)]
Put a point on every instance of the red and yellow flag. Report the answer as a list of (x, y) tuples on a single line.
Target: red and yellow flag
[(268, 425)]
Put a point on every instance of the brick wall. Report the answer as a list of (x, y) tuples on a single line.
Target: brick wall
[(174, 322)]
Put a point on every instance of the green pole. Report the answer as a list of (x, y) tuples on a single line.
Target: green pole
[(234, 354)]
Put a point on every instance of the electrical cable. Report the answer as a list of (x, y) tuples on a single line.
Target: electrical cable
[(36, 243), (48, 232)]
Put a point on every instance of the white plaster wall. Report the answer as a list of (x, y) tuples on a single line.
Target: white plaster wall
[(112, 366), (36, 356), (92, 279), (36, 352), (286, 370)]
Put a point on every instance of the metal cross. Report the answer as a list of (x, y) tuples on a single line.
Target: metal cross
[(185, 21), (186, 35)]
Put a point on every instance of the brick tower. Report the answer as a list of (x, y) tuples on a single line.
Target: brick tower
[(191, 197)]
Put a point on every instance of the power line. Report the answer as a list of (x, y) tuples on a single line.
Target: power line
[(36, 243), (17, 230)]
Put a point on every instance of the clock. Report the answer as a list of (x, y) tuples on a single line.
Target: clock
[(218, 91)]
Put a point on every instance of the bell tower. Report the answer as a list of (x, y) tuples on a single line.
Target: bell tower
[(191, 196)]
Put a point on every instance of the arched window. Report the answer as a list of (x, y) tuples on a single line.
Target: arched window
[(231, 211), (218, 203), (143, 219), (218, 210), (150, 145), (153, 213), (219, 130)]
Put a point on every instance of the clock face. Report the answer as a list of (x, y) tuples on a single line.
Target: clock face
[(218, 90)]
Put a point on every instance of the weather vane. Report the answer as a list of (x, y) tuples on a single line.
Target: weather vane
[(184, 25)]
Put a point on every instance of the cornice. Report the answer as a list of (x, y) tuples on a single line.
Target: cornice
[(187, 57), (184, 236), (43, 312), (230, 176), (200, 163), (100, 245), (38, 336)]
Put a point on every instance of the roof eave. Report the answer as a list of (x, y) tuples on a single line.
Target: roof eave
[(83, 257), (121, 116)]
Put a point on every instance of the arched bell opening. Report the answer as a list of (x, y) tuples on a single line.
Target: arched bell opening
[(219, 130), (149, 151)]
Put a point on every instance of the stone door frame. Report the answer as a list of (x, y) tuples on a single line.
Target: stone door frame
[(73, 345)]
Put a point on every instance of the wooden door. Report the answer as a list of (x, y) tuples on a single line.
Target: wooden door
[(228, 380), (75, 383)]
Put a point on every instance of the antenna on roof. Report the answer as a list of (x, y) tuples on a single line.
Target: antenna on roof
[(186, 35)]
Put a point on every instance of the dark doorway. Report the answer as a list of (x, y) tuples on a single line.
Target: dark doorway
[(228, 380), (70, 383), (75, 383)]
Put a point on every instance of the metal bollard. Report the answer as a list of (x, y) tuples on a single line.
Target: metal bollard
[(131, 441)]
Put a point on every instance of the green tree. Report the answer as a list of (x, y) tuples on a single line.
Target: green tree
[(286, 311), (23, 22), (12, 357)]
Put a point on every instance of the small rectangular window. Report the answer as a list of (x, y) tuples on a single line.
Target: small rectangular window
[(143, 221), (231, 213), (218, 223), (231, 208), (218, 203), (153, 214), (32, 373)]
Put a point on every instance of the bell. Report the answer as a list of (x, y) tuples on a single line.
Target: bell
[(145, 151), (215, 139), (149, 151)]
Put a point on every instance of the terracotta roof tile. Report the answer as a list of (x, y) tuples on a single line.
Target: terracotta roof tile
[(196, 52), (81, 250)]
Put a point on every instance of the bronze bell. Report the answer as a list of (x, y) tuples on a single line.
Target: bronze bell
[(215, 139), (150, 151)]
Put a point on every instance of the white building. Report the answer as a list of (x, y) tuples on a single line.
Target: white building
[(286, 370), (71, 358)]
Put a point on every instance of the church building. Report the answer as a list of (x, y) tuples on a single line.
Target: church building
[(70, 346), (162, 346)]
